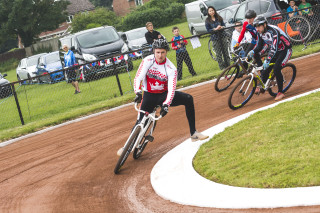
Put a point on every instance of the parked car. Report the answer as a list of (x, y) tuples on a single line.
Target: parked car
[(136, 40), (97, 44), (49, 63), (27, 68), (5, 87), (196, 12)]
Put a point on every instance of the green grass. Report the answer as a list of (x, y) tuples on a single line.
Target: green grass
[(275, 148), (45, 105)]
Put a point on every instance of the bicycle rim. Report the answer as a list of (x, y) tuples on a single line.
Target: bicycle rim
[(242, 93), (127, 149), (289, 74), (143, 143), (297, 28), (226, 78)]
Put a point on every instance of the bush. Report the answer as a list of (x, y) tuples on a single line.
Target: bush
[(9, 65), (160, 17)]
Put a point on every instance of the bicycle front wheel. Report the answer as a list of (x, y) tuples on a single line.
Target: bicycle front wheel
[(297, 28), (144, 141), (289, 74), (242, 93), (127, 149), (226, 78)]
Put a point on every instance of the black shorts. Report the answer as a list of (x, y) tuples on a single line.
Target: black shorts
[(72, 75)]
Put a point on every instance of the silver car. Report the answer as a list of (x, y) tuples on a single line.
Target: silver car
[(136, 40), (27, 68), (5, 88)]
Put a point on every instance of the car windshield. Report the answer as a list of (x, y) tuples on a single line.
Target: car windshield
[(137, 34), (98, 37), (32, 61), (218, 4), (52, 58)]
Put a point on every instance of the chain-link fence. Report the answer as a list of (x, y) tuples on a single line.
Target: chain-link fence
[(52, 93)]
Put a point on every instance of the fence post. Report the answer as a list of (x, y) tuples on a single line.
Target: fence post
[(17, 102), (116, 72)]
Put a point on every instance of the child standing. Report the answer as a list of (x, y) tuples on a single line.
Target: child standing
[(181, 52)]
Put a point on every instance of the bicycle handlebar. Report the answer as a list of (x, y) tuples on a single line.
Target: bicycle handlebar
[(151, 116)]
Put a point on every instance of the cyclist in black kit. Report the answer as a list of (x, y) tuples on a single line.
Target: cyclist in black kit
[(279, 53)]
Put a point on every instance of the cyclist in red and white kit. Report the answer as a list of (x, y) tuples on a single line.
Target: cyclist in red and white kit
[(159, 78)]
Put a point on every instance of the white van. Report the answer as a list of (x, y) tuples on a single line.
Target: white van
[(196, 13)]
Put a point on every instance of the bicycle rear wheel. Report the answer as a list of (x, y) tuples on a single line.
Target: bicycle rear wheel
[(144, 141), (227, 77), (289, 74), (127, 149), (297, 28), (242, 93)]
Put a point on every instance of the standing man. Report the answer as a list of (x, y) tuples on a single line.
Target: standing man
[(152, 34), (70, 61)]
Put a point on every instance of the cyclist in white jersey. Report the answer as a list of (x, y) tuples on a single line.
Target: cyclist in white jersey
[(158, 76)]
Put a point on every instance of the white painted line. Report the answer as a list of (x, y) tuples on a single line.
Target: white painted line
[(174, 178)]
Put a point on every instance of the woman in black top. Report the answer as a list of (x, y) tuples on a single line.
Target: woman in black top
[(214, 24)]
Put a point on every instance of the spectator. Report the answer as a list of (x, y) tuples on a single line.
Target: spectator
[(235, 37), (292, 9), (152, 34), (181, 52), (214, 23), (304, 11), (70, 61)]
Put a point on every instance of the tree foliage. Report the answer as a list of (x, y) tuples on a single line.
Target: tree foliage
[(102, 3), (28, 18), (99, 17)]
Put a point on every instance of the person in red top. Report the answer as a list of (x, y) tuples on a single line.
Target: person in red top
[(157, 78), (179, 45)]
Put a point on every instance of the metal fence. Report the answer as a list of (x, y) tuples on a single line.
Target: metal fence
[(48, 95)]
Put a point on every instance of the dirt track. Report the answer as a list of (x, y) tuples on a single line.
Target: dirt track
[(70, 169)]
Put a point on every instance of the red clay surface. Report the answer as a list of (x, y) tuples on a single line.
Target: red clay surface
[(70, 169)]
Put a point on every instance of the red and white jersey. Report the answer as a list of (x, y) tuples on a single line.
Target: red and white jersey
[(156, 77)]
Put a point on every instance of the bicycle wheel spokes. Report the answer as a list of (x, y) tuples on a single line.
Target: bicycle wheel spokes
[(144, 141), (226, 78), (242, 93), (127, 149), (289, 74), (298, 28)]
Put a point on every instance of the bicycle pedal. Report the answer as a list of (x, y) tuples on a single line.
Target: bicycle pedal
[(149, 138)]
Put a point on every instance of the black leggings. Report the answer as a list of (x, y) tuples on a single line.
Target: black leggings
[(151, 100)]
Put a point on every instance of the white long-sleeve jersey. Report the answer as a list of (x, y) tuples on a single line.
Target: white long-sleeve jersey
[(156, 77)]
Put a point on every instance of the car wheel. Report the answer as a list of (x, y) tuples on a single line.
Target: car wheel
[(194, 32), (19, 79), (29, 79)]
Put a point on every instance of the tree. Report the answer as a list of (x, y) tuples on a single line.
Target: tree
[(28, 18), (102, 3), (99, 17)]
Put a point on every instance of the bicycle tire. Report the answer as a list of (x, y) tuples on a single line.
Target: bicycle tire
[(211, 50), (227, 77), (127, 149), (289, 72), (238, 98), (143, 143), (297, 28)]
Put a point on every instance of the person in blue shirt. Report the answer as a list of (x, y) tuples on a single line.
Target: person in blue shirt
[(214, 24), (292, 9), (179, 45), (70, 61)]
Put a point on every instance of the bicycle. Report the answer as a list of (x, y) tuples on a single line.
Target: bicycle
[(231, 73), (244, 90), (139, 137), (298, 29)]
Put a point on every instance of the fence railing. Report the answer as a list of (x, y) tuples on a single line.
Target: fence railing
[(48, 95)]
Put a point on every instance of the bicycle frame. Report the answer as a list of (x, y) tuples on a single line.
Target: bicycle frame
[(149, 118)]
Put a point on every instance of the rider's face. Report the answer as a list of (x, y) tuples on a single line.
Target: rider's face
[(260, 28), (160, 55)]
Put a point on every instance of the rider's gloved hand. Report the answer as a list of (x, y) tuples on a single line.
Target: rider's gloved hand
[(164, 110), (138, 97), (236, 46), (251, 54), (265, 65)]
